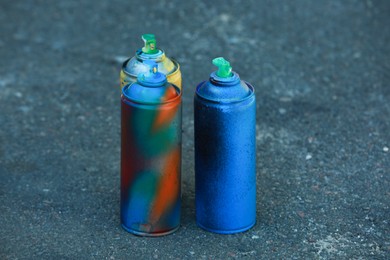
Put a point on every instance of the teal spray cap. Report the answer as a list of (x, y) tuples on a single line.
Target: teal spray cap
[(224, 68), (150, 44)]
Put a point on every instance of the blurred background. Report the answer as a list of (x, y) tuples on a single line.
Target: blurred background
[(321, 70)]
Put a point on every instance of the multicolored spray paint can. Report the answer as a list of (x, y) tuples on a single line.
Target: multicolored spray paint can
[(225, 152), (151, 155), (134, 66)]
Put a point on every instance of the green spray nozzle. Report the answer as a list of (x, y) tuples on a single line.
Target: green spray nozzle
[(150, 44), (224, 68)]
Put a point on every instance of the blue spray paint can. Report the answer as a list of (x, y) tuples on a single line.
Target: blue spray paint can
[(151, 155), (225, 152)]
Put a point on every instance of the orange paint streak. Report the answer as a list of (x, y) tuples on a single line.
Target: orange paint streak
[(170, 94), (169, 186), (166, 113)]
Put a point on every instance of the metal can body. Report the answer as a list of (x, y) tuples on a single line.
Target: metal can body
[(132, 67), (150, 164), (225, 160)]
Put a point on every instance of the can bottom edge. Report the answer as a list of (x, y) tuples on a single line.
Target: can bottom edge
[(145, 234), (226, 232)]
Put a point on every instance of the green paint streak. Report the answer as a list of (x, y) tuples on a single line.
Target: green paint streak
[(145, 185), (141, 195), (152, 142)]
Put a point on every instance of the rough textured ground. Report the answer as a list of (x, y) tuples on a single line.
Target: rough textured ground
[(321, 70)]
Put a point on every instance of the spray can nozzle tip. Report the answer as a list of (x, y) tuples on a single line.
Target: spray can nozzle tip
[(150, 44), (152, 77), (152, 66), (224, 68)]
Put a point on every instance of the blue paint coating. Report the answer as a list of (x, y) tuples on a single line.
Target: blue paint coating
[(225, 154), (151, 86), (224, 90)]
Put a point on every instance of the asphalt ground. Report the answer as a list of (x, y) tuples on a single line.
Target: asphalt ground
[(321, 70)]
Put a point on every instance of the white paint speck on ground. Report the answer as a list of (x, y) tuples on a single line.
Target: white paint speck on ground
[(282, 111), (224, 18), (357, 55), (332, 245), (255, 237), (285, 99), (385, 149), (309, 156), (4, 81), (25, 109)]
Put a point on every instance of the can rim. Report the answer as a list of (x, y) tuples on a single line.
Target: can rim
[(172, 100), (177, 68), (159, 56), (226, 102)]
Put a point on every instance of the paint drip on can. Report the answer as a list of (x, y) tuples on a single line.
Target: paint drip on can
[(135, 66), (225, 152), (151, 154)]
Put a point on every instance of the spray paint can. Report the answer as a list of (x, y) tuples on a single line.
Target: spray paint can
[(225, 152), (134, 66), (151, 155)]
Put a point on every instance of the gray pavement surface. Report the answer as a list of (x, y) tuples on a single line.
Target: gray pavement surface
[(321, 70)]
